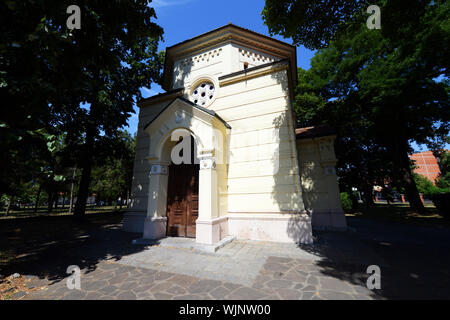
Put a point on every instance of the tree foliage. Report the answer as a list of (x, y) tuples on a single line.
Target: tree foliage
[(310, 23), (79, 83), (382, 93)]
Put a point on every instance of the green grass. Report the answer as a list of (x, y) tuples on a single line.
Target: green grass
[(42, 211), (400, 212)]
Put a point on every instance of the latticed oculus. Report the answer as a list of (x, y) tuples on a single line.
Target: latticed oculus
[(203, 93)]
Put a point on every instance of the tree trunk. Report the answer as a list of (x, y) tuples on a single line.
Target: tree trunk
[(411, 189), (71, 190), (50, 202), (56, 198), (11, 199), (403, 165), (368, 195), (37, 199), (86, 168)]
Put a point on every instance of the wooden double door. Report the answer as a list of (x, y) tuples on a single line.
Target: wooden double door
[(182, 200)]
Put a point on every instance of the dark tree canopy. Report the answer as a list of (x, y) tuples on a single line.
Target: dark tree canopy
[(310, 23), (47, 71), (382, 93)]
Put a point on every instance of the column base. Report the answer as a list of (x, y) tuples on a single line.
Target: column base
[(211, 231), (155, 228)]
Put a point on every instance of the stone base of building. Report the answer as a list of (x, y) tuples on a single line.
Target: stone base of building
[(211, 231), (329, 220), (133, 221), (293, 228), (155, 228)]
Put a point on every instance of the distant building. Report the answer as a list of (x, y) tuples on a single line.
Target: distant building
[(426, 165)]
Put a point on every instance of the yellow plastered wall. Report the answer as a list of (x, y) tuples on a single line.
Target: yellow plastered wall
[(318, 175), (262, 165)]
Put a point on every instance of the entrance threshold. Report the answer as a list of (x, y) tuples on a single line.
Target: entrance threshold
[(185, 243)]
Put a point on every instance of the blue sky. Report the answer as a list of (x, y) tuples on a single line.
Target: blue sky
[(184, 19)]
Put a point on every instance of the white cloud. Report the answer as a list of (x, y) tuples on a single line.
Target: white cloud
[(169, 3)]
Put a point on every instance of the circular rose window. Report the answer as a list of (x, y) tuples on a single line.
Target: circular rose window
[(203, 94)]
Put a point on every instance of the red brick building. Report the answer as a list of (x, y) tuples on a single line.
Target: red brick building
[(426, 165)]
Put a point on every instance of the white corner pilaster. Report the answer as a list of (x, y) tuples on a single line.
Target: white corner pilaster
[(208, 202), (156, 221)]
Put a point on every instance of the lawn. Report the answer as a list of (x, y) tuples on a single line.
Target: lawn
[(400, 212), (43, 211)]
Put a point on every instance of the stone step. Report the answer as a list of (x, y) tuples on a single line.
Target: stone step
[(185, 243)]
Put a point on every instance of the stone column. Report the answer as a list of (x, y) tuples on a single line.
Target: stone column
[(206, 231), (156, 220)]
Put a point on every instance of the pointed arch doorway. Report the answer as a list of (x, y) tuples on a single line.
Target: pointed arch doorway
[(183, 197)]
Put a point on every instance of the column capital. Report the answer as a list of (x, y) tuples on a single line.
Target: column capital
[(208, 163)]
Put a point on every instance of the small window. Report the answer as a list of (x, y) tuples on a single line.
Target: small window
[(203, 93)]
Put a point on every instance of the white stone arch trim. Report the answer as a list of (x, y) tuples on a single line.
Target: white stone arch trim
[(162, 142), (182, 114)]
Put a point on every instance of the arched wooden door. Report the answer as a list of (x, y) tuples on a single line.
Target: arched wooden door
[(182, 199)]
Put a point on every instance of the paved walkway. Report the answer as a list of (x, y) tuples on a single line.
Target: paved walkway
[(242, 270), (414, 264)]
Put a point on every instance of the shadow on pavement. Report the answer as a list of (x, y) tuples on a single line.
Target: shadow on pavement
[(46, 246), (414, 261)]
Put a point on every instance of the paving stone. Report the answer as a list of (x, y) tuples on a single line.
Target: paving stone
[(294, 276), (188, 297), (142, 288), (282, 260), (245, 293), (128, 285), (163, 275), (117, 280), (289, 294), (18, 295), (333, 284), (182, 280), (307, 295), (276, 267), (309, 288), (279, 284), (161, 286), (127, 295), (74, 294), (177, 290), (332, 295), (92, 296), (204, 286), (219, 293), (312, 280), (108, 290), (93, 286), (231, 286)]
